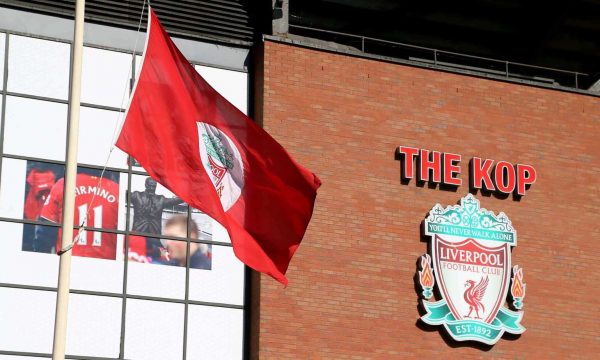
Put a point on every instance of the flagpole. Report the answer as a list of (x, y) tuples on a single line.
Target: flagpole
[(64, 272)]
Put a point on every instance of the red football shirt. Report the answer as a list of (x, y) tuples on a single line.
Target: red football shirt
[(40, 182), (103, 214)]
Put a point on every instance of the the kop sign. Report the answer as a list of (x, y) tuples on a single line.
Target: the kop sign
[(485, 174)]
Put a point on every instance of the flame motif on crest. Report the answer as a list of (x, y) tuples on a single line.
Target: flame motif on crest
[(518, 287), (426, 276)]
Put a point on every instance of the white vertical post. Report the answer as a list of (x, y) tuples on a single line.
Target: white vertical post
[(64, 272)]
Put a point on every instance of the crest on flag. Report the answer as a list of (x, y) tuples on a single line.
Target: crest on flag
[(471, 262), (222, 162)]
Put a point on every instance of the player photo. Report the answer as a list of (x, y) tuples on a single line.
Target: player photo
[(96, 205), (39, 179)]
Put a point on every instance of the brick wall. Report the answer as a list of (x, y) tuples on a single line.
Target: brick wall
[(352, 282)]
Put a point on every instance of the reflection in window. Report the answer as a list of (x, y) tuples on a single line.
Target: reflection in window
[(38, 67), (35, 128)]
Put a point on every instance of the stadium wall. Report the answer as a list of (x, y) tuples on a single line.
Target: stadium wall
[(353, 292)]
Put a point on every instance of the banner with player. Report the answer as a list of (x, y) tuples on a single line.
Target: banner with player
[(155, 218)]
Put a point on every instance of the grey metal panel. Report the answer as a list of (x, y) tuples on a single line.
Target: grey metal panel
[(225, 21), (26, 23)]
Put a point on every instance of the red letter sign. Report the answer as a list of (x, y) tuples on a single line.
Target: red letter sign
[(408, 154), (434, 164), (504, 177), (481, 173), (525, 176), (451, 169)]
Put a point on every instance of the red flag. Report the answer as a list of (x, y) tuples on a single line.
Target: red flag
[(199, 146)]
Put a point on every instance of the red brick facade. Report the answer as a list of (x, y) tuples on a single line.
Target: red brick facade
[(352, 292)]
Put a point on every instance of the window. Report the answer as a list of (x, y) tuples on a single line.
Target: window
[(35, 128), (105, 77), (143, 256), (38, 67)]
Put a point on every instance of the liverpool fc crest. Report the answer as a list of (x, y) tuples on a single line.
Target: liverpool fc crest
[(222, 162), (471, 264)]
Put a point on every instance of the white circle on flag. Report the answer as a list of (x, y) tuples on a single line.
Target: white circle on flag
[(222, 162)]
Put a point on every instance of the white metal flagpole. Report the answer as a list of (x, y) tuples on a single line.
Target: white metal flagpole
[(64, 272)]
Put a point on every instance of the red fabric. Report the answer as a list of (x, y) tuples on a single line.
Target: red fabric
[(104, 214), (137, 249), (266, 224)]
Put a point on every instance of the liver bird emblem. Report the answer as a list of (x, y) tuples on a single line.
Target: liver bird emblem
[(474, 294)]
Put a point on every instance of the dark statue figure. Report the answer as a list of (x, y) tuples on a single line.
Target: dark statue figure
[(148, 208), (147, 214)]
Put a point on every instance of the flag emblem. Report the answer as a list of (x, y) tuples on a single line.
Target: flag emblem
[(471, 256), (222, 161)]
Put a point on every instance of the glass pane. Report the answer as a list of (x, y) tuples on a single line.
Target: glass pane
[(224, 283), (97, 270), (35, 128), (218, 232), (105, 77), (204, 225), (232, 85), (166, 281), (214, 333), (97, 133), (148, 276), (38, 67), (27, 320), (151, 205), (25, 186), (153, 330), (27, 267), (2, 48), (138, 66), (28, 252), (94, 326)]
